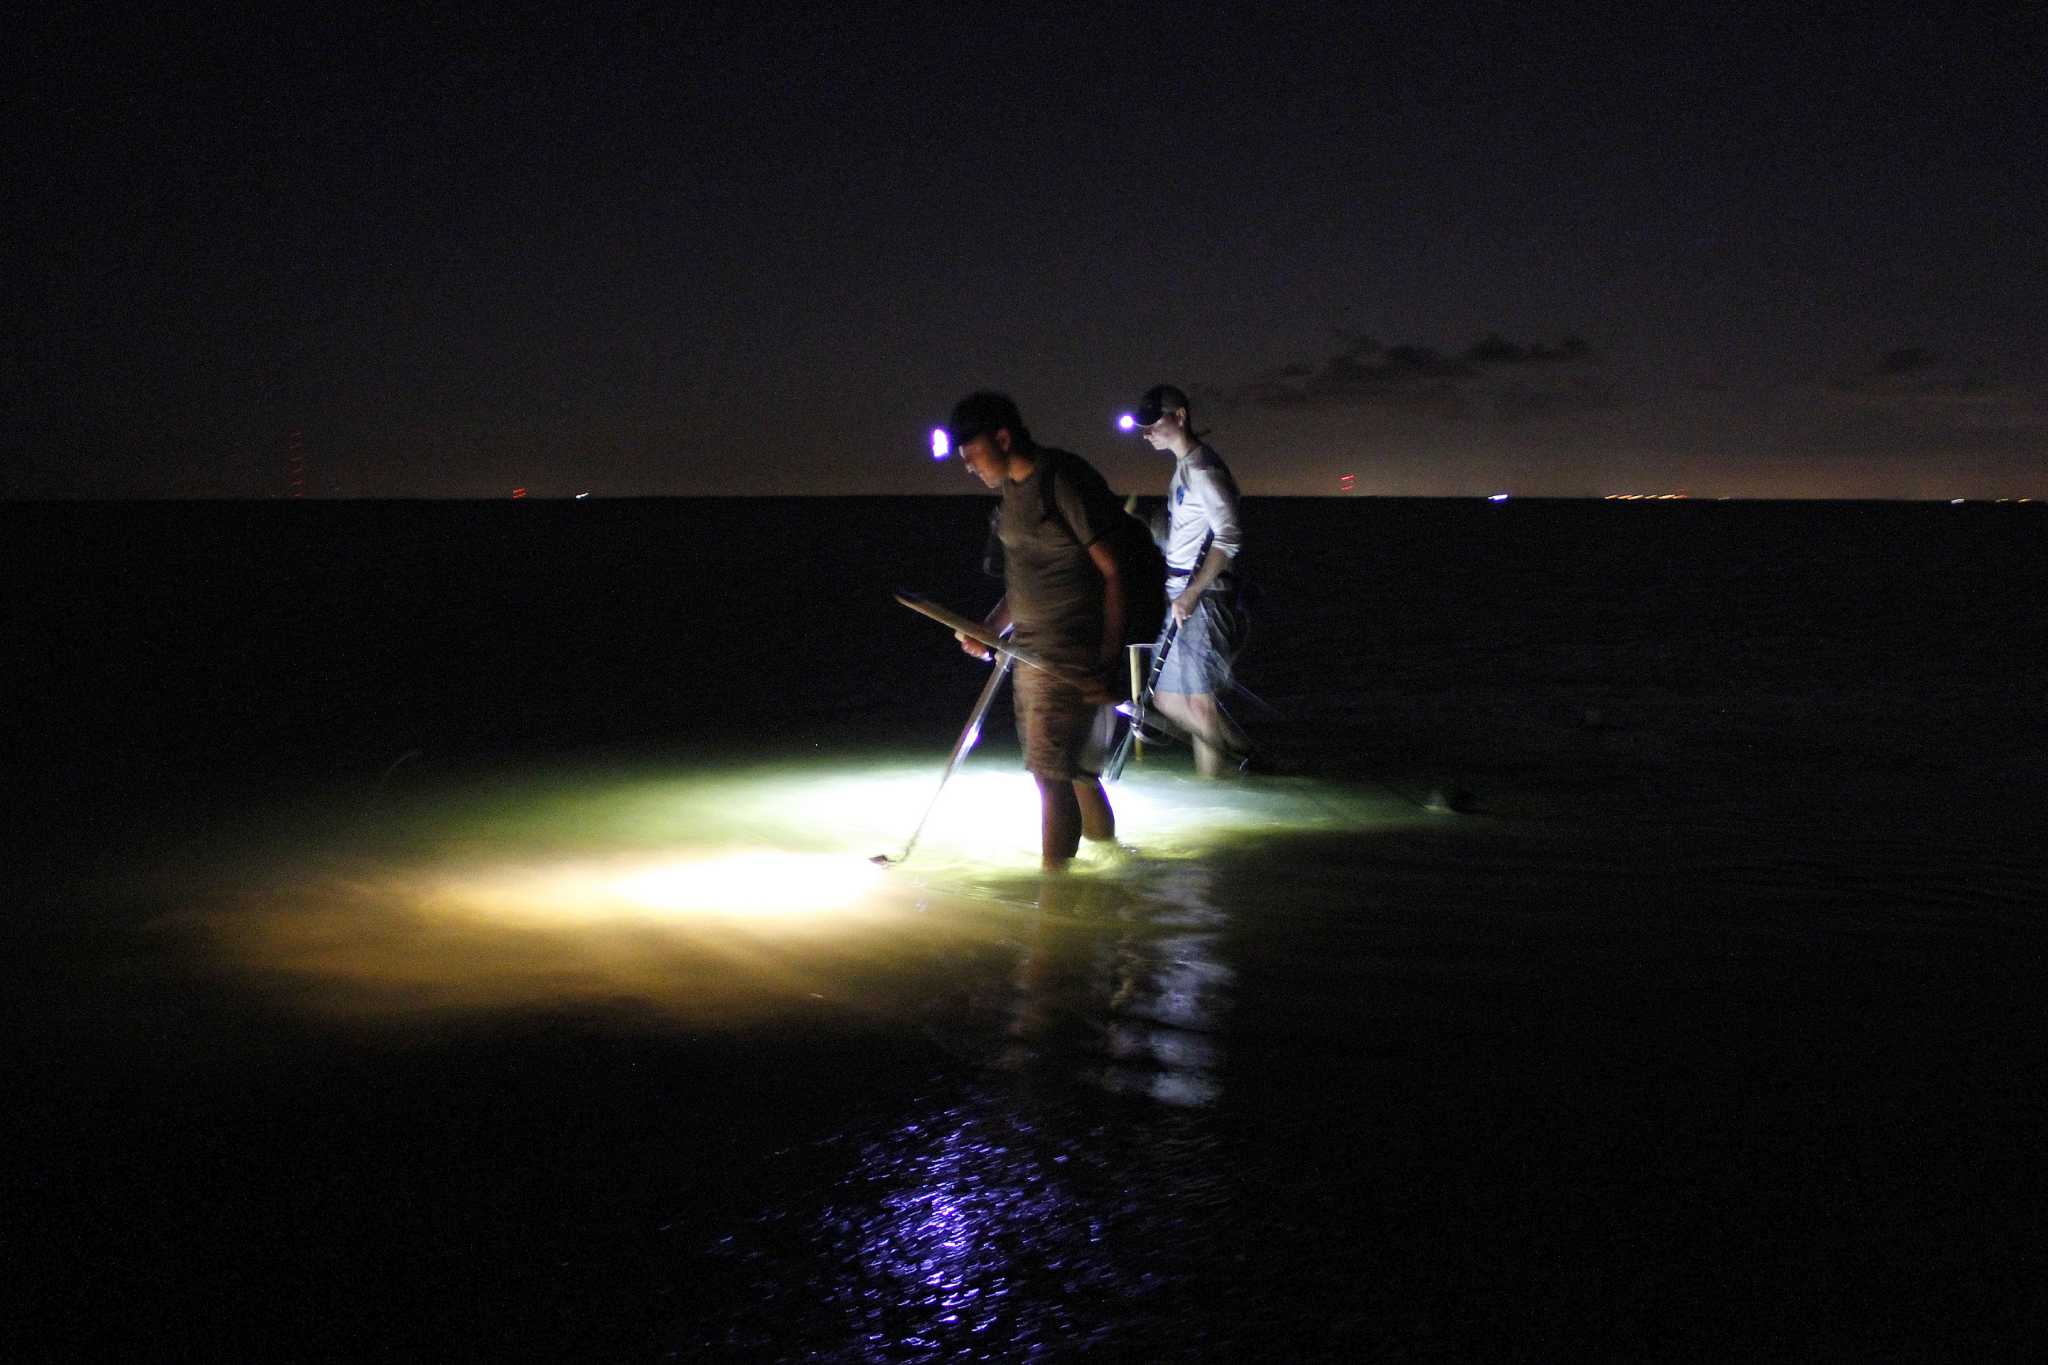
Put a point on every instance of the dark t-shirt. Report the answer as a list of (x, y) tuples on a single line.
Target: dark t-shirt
[(1053, 587)]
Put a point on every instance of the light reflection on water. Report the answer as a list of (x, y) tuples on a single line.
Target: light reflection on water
[(955, 1225), (1002, 1222), (1050, 1185), (1042, 1205), (727, 896), (1133, 995)]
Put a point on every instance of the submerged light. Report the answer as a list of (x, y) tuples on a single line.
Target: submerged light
[(942, 444), (716, 896)]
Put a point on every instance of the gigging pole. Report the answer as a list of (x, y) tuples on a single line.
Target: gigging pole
[(1137, 690), (1140, 701), (979, 632), (969, 733)]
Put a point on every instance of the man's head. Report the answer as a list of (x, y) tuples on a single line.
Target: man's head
[(986, 430), (1161, 416)]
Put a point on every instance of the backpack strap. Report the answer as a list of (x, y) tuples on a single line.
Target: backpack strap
[(1048, 510), (1050, 506)]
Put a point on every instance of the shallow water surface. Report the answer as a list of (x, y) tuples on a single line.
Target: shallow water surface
[(661, 1060), (469, 959)]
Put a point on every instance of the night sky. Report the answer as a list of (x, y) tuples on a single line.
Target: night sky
[(708, 248)]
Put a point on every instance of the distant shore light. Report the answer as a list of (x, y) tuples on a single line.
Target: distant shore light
[(1496, 497)]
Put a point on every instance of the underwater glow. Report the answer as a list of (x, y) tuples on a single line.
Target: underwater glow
[(719, 896), (740, 885)]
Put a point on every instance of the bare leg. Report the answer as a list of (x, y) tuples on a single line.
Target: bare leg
[(1217, 742), (1059, 823), (1098, 821)]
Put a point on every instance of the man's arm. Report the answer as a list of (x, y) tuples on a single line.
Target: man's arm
[(1218, 497), (1213, 565)]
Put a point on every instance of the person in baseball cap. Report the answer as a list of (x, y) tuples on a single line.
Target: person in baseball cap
[(1075, 594), (1202, 541), (1159, 400)]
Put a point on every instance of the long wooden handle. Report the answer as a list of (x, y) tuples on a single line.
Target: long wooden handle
[(982, 635)]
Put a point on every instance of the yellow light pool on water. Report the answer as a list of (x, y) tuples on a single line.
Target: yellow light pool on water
[(734, 884), (716, 895)]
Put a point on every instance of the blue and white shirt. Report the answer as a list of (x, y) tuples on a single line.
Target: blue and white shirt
[(1201, 500)]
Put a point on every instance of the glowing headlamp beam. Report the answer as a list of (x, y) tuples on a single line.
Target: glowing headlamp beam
[(942, 444)]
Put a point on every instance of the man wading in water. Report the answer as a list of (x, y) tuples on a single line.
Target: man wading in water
[(1080, 580), (1202, 540)]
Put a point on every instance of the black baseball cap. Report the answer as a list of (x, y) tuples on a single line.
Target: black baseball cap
[(1159, 400), (981, 413)]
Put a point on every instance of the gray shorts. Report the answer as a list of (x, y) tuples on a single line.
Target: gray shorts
[(1209, 640), (1065, 738)]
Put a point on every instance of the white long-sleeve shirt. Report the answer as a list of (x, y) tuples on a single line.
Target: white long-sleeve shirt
[(1201, 500)]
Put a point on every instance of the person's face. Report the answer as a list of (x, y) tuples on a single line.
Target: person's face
[(1160, 434), (987, 456)]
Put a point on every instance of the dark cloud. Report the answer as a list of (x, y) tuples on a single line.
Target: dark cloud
[(1494, 349), (1519, 401), (1912, 386), (1362, 373), (1905, 360), (1493, 376), (1906, 375)]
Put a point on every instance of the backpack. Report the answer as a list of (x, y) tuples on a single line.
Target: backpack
[(1139, 561)]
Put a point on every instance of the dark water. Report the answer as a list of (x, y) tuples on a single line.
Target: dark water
[(1711, 1031)]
